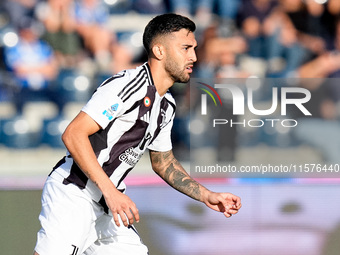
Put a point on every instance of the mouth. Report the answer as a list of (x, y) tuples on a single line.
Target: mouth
[(189, 68)]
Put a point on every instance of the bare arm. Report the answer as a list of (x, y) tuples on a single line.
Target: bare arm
[(76, 139), (171, 171)]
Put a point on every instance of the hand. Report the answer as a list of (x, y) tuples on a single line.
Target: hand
[(120, 204), (226, 203)]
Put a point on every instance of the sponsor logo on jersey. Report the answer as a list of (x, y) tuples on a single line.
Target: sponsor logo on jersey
[(130, 157)]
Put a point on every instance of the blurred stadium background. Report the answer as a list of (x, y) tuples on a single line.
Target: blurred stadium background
[(54, 53)]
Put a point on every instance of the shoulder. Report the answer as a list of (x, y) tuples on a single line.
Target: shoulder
[(127, 84), (124, 77)]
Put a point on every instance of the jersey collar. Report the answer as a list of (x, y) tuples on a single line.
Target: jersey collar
[(148, 72)]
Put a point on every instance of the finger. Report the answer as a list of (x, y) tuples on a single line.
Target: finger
[(239, 206), (224, 202), (227, 207), (135, 213), (237, 201), (232, 208), (236, 207), (129, 217), (123, 218), (116, 219), (232, 211), (227, 214)]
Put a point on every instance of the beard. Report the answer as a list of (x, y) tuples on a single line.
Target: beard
[(177, 73)]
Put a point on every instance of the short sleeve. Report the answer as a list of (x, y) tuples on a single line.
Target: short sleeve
[(104, 106)]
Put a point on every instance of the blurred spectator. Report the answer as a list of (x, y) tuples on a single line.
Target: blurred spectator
[(322, 66), (204, 10), (334, 7), (270, 37), (273, 38), (201, 9), (217, 54), (320, 35), (92, 18), (301, 35), (325, 62), (287, 33), (228, 9), (306, 19), (252, 17), (320, 130), (149, 6), (32, 62), (123, 57), (18, 10), (60, 25)]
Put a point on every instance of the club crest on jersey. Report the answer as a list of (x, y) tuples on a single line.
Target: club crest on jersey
[(147, 101), (163, 115)]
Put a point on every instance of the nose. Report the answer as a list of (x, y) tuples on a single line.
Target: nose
[(193, 56)]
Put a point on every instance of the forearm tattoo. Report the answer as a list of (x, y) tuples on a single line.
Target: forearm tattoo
[(166, 165)]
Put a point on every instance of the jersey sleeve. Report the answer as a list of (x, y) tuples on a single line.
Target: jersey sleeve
[(104, 106), (163, 141)]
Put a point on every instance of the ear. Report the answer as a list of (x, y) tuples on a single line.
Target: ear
[(158, 51)]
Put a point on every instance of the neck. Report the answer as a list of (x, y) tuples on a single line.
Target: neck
[(160, 77)]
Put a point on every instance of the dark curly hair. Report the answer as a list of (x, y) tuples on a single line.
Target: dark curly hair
[(165, 24)]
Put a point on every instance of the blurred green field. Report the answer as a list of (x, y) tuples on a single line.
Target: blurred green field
[(19, 210), (315, 229), (19, 223)]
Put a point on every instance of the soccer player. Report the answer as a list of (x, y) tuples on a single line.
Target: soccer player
[(84, 208)]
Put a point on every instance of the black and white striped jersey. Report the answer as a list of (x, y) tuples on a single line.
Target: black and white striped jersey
[(133, 117)]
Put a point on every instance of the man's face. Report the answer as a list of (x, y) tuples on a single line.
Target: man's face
[(180, 55)]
